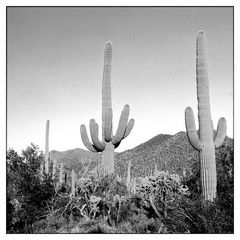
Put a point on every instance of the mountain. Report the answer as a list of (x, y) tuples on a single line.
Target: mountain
[(172, 153), (75, 156), (169, 152)]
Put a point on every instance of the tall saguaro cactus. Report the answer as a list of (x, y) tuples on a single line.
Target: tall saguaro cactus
[(46, 157), (204, 142), (109, 142)]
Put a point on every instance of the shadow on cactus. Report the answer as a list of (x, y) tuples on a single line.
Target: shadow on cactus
[(109, 142)]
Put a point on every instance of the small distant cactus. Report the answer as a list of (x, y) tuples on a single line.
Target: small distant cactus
[(61, 175), (109, 142), (128, 180), (205, 142), (73, 182), (46, 156), (155, 170)]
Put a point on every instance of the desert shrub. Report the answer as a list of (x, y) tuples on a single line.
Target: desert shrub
[(164, 203), (27, 194), (215, 217), (161, 192)]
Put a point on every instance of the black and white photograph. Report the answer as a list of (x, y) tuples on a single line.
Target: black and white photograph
[(119, 120)]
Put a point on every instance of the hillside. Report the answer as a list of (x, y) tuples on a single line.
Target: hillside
[(170, 152), (174, 154), (77, 158)]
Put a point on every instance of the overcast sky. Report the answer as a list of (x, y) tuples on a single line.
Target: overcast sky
[(55, 63)]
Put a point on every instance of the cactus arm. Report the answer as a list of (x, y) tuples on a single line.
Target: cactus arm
[(221, 132), (122, 125), (129, 128), (106, 84), (108, 125), (94, 135), (85, 139), (117, 144), (191, 129)]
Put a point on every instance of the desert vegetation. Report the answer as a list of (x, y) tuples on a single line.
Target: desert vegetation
[(165, 202), (180, 183)]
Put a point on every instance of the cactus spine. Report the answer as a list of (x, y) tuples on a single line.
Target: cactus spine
[(46, 157), (205, 142), (109, 142)]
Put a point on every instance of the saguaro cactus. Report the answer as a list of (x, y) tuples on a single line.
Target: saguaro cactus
[(155, 170), (46, 157), (109, 142), (128, 180), (204, 142), (61, 174), (73, 182)]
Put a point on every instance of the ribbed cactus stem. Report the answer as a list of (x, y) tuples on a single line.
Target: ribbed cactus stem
[(46, 157), (204, 143), (208, 173), (106, 84), (107, 157), (204, 113)]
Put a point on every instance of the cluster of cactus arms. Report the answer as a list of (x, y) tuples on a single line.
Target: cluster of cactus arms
[(109, 142), (204, 142)]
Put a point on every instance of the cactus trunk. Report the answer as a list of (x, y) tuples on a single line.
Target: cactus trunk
[(46, 157), (205, 142), (207, 154), (208, 173), (107, 157), (106, 86), (204, 113)]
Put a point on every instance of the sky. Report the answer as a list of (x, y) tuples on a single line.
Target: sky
[(55, 64)]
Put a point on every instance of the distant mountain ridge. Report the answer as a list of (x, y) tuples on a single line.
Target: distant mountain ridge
[(169, 152), (74, 156), (174, 154)]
